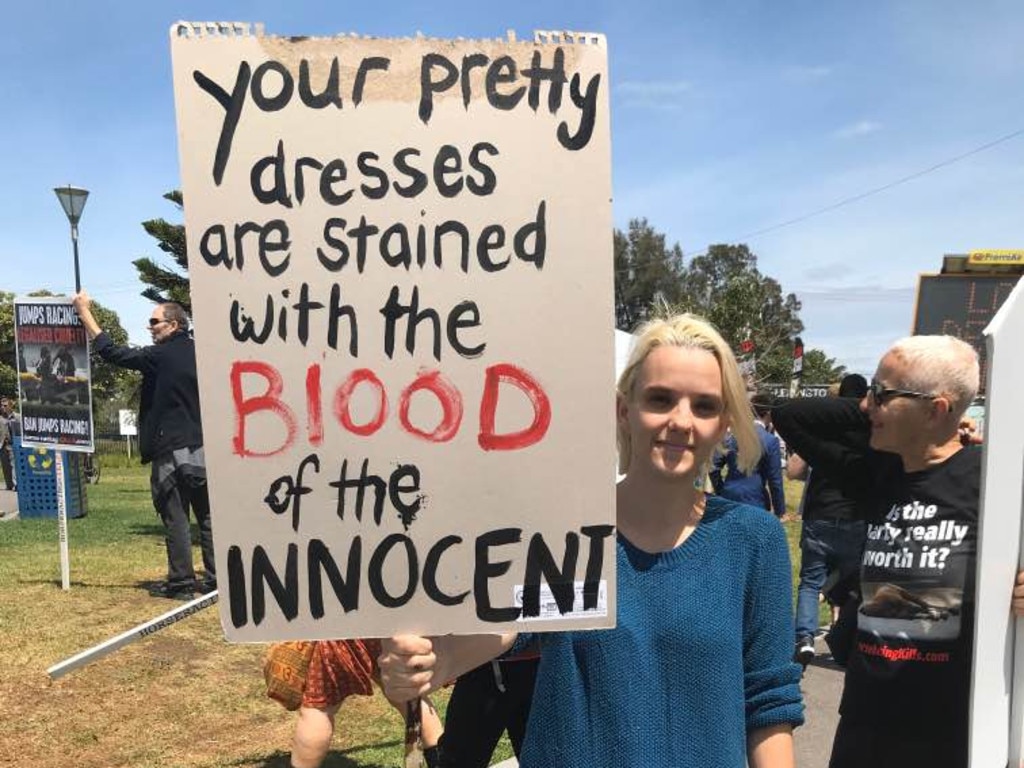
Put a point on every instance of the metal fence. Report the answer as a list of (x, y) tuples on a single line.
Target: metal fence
[(115, 450)]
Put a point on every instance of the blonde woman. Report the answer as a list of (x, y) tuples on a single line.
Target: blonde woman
[(698, 672)]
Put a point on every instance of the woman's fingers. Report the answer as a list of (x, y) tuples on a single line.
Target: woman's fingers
[(407, 666)]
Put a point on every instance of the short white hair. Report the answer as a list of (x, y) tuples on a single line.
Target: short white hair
[(939, 365)]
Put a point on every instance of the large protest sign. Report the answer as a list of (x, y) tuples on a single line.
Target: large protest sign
[(401, 265), (997, 682), (54, 393)]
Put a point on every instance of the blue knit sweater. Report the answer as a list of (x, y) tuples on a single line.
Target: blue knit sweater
[(700, 656)]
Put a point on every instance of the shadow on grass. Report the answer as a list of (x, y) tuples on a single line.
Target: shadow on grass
[(336, 758), (58, 583), (147, 529)]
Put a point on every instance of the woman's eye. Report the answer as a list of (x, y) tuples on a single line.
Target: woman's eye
[(658, 400), (707, 408)]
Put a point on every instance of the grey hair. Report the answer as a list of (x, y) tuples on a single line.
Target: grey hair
[(940, 365), (174, 312)]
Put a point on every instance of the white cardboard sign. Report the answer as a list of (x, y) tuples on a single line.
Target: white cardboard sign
[(401, 263), (127, 422), (997, 684)]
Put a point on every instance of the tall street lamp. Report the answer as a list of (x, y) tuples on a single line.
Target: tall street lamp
[(72, 200)]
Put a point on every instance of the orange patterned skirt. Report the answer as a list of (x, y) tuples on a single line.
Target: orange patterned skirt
[(338, 669)]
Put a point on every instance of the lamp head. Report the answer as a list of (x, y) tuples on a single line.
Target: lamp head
[(72, 200)]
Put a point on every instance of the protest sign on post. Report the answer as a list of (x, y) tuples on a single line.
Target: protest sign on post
[(997, 681), (54, 392), (127, 422), (401, 276)]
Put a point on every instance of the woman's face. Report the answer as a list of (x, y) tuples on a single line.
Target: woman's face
[(676, 414)]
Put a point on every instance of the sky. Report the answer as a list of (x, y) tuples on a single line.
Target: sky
[(731, 122)]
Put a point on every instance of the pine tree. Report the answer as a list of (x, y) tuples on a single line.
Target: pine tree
[(164, 284)]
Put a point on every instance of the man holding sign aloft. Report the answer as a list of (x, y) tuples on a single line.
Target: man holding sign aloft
[(170, 436)]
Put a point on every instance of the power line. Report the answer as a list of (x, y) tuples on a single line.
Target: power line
[(861, 196), (885, 187)]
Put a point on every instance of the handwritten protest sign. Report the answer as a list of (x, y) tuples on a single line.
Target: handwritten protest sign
[(54, 392), (400, 253)]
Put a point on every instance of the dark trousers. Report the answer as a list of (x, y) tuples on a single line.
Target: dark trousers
[(862, 745), (826, 546), (173, 505), (7, 466), (484, 703)]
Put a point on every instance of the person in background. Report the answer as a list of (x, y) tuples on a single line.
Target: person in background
[(10, 427), (762, 486), (339, 669), (170, 438), (902, 457), (698, 671), (491, 699), (831, 535)]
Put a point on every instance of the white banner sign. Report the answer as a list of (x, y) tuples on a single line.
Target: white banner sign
[(127, 422)]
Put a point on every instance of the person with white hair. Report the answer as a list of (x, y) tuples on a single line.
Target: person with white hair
[(902, 455), (697, 672)]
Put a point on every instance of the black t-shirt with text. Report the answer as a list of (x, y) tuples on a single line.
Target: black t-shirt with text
[(911, 661)]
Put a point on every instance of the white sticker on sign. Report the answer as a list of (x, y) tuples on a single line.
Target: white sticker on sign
[(549, 607)]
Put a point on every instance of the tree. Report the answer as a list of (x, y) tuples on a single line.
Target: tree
[(647, 273), (821, 369), (8, 363), (164, 284), (725, 286)]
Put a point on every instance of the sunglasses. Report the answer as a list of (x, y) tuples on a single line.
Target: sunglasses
[(881, 395), (154, 322)]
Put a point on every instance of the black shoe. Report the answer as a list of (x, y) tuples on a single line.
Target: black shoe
[(803, 654), (173, 592), (206, 586)]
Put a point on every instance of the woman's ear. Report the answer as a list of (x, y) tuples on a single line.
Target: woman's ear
[(621, 410), (723, 428)]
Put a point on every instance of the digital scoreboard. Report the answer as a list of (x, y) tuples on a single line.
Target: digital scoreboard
[(961, 305)]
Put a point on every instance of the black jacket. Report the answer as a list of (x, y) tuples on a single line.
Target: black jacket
[(169, 410)]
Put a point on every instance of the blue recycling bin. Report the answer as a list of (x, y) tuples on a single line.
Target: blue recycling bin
[(36, 470)]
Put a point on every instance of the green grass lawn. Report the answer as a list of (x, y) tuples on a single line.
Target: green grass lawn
[(181, 697)]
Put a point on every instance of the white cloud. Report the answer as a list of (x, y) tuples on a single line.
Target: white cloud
[(860, 128), (804, 74), (856, 294), (661, 94)]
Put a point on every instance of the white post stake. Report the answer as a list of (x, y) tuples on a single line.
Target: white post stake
[(62, 522), (145, 629)]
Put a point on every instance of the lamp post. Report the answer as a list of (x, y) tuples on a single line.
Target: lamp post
[(72, 200)]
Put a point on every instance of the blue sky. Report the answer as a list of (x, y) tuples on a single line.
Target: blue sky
[(728, 119)]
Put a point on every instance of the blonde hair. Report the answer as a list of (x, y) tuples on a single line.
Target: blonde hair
[(939, 365), (691, 332)]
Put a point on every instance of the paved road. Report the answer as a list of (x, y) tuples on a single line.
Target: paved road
[(822, 686), (8, 500)]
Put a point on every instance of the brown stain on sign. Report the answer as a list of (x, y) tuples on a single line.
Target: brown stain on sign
[(402, 80)]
